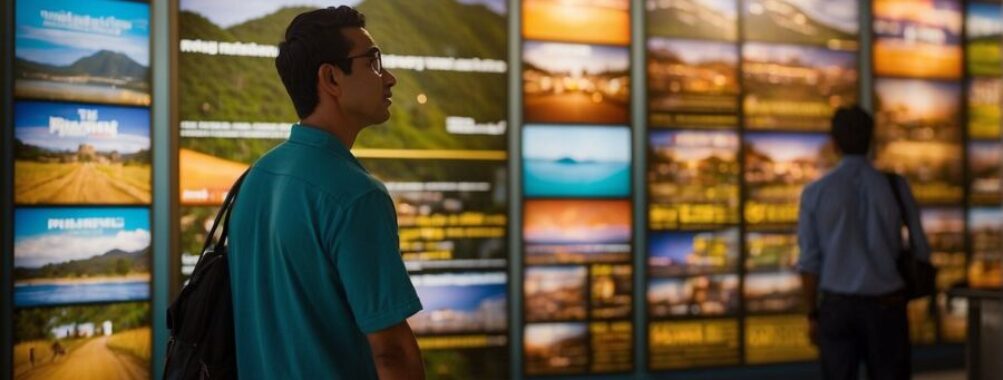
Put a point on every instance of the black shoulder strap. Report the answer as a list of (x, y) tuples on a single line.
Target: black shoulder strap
[(223, 216), (893, 182)]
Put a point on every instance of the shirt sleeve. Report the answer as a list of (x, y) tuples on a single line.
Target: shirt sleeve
[(920, 246), (369, 263), (810, 257)]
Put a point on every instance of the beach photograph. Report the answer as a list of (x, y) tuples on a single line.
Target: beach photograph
[(693, 179), (576, 162), (59, 57), (81, 255), (575, 83), (588, 21), (74, 153), (700, 19), (692, 253), (901, 50), (577, 231)]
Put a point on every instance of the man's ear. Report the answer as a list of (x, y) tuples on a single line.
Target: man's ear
[(329, 79)]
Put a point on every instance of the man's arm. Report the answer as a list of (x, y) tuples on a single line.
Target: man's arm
[(396, 354)]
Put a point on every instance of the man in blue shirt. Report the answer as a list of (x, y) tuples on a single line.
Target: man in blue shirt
[(319, 287), (849, 233)]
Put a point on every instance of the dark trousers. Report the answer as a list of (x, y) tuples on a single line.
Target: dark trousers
[(869, 329)]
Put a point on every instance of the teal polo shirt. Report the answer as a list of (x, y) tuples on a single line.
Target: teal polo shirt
[(315, 263)]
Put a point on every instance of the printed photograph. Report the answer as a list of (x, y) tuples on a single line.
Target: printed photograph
[(573, 83), (828, 23), (72, 153), (771, 251), (589, 21), (983, 31), (984, 108), (101, 342), (693, 179), (93, 52), (571, 232), (612, 291), (796, 88), (81, 255), (692, 253), (777, 292), (466, 302), (777, 168), (985, 168), (918, 135), (449, 58), (555, 293), (556, 348), (576, 162), (985, 226), (917, 39), (700, 296), (701, 19), (691, 80)]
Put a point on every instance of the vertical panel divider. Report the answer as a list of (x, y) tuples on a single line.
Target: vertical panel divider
[(6, 190), (639, 127), (162, 149), (515, 322), (740, 128)]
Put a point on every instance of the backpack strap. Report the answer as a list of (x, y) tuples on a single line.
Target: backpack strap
[(893, 181), (224, 211)]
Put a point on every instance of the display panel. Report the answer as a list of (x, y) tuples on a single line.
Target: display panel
[(985, 169), (81, 255), (777, 167), (556, 293), (984, 108), (692, 83), (102, 341), (699, 296), (577, 231), (96, 52), (74, 153), (919, 39), (983, 31), (702, 19), (789, 87), (692, 253), (830, 23), (692, 179), (572, 83), (985, 226), (590, 21), (945, 232), (566, 161), (556, 348), (918, 135), (689, 344), (779, 338)]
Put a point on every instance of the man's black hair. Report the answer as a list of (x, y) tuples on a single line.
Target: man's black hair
[(312, 39), (852, 129)]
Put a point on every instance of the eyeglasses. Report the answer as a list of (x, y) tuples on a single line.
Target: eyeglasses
[(377, 62)]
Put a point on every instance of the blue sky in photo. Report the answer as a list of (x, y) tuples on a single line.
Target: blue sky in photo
[(589, 143), (35, 244), (31, 126), (458, 297), (788, 146), (61, 44)]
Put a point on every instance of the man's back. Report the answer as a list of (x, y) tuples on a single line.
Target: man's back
[(849, 227), (314, 262)]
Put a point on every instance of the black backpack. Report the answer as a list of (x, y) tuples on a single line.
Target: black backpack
[(201, 317)]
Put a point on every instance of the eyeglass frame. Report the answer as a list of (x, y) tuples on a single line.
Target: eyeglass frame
[(375, 53)]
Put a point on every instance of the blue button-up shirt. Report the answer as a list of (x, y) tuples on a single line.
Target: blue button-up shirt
[(849, 229)]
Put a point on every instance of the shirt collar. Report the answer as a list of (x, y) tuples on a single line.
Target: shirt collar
[(314, 136), (855, 160)]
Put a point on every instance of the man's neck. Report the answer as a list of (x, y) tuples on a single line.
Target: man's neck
[(342, 130)]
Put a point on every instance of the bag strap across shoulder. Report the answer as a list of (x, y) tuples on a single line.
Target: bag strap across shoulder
[(223, 216), (893, 181)]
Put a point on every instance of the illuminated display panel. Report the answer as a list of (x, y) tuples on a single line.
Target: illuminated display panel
[(917, 39), (577, 231), (983, 31), (829, 23), (575, 83), (945, 231), (777, 338), (984, 108), (692, 83), (590, 21), (576, 162), (985, 166), (985, 228), (777, 167), (441, 154), (700, 19), (693, 179)]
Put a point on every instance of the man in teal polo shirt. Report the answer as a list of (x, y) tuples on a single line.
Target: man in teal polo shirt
[(319, 287)]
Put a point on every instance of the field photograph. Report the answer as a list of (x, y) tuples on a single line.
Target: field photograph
[(572, 83), (588, 21), (691, 76), (918, 135), (771, 251), (105, 60), (208, 167), (693, 178), (777, 292), (467, 302), (983, 31), (984, 101), (828, 23), (700, 19), (555, 293), (75, 255), (83, 342), (611, 292), (985, 168), (572, 231), (556, 348), (692, 253), (693, 296), (985, 226), (573, 162), (917, 39), (796, 88), (433, 108), (70, 153), (777, 168)]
